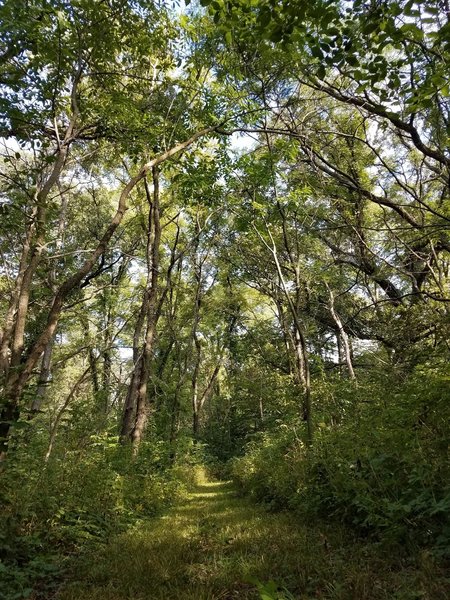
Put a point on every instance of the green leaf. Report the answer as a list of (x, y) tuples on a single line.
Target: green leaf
[(411, 28), (321, 71), (277, 34), (316, 52), (264, 18)]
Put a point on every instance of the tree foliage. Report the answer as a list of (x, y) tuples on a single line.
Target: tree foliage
[(224, 237)]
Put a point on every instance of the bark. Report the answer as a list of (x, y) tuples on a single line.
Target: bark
[(8, 328), (153, 311), (195, 422), (107, 363), (342, 336), (340, 352), (175, 416), (94, 372), (92, 359), (137, 404), (304, 378), (195, 399), (34, 245), (207, 392), (129, 412), (45, 375), (44, 378), (195, 341)]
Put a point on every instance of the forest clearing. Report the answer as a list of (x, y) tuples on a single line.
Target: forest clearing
[(224, 299)]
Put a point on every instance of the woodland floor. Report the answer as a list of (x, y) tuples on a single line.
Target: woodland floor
[(219, 546)]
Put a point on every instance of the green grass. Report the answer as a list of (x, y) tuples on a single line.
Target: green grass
[(218, 546)]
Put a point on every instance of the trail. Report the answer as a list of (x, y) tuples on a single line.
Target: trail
[(207, 549), (219, 546)]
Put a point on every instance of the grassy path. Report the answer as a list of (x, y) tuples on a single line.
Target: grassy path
[(218, 546)]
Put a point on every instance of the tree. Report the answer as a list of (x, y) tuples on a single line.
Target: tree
[(86, 113)]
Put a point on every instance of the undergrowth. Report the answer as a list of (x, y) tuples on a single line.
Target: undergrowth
[(75, 502), (383, 470), (219, 546)]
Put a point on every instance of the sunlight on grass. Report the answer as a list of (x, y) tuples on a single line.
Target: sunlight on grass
[(219, 546)]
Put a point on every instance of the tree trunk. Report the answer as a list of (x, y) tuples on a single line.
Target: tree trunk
[(44, 378), (137, 404), (195, 398), (129, 412), (342, 336), (195, 341), (303, 371), (107, 363)]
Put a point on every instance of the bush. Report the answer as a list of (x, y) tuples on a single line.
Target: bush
[(267, 470), (78, 499), (383, 470)]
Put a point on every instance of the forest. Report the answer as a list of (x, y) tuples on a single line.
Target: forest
[(224, 299)]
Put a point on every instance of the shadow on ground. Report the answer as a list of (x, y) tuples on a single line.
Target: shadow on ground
[(217, 545)]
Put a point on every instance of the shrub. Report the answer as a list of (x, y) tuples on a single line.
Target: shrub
[(78, 499), (383, 469)]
